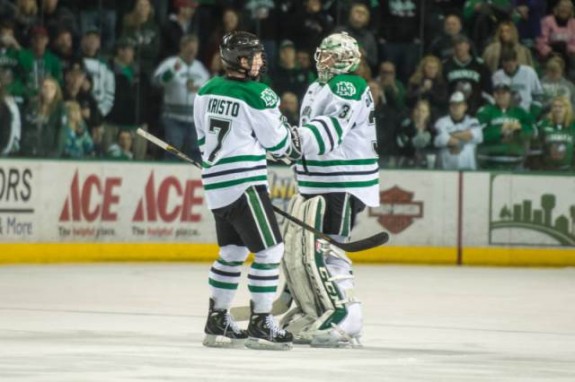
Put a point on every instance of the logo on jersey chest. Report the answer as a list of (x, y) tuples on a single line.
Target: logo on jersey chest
[(345, 89)]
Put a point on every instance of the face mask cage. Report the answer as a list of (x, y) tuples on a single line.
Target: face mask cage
[(336, 55)]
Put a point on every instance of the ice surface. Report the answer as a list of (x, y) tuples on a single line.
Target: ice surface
[(144, 322)]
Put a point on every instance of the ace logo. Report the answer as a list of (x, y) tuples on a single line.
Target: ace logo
[(169, 201), (91, 199)]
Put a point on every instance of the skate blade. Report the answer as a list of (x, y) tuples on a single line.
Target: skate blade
[(261, 344), (301, 340), (215, 341)]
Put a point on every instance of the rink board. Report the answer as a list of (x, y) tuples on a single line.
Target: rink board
[(59, 211)]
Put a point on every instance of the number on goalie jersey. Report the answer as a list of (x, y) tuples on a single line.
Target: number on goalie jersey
[(338, 140), (337, 178)]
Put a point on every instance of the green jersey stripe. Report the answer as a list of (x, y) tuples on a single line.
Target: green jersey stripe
[(337, 128), (202, 141), (229, 183), (366, 183), (239, 158), (279, 145), (318, 137), (351, 162)]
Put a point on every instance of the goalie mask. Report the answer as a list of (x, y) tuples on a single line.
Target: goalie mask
[(338, 53), (238, 45)]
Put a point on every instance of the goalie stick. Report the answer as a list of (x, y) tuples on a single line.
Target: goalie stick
[(354, 246)]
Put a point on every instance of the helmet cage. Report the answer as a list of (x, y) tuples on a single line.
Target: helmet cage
[(343, 52)]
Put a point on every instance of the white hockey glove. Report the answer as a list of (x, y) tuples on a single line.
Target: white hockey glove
[(294, 152)]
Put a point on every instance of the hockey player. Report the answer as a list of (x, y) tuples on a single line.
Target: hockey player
[(337, 178), (237, 120)]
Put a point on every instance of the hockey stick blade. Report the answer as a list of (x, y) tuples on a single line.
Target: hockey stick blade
[(356, 246)]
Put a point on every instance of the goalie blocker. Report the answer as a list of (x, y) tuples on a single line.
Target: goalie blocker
[(320, 281)]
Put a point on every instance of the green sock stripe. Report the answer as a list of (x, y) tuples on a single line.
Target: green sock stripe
[(230, 263), (262, 289), (222, 285), (262, 266)]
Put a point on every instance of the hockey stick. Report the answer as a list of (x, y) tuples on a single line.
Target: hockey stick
[(355, 246)]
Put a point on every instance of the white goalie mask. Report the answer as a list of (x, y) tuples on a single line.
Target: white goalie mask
[(338, 53)]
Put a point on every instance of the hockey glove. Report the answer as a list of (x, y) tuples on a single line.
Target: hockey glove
[(294, 151)]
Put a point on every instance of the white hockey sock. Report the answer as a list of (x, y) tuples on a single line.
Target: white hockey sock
[(263, 278), (225, 275)]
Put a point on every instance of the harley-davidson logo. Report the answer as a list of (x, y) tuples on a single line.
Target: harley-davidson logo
[(397, 210)]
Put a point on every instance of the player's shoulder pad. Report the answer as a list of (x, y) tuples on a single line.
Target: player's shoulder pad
[(256, 94), (348, 86)]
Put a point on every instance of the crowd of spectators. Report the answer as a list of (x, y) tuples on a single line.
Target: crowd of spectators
[(457, 84)]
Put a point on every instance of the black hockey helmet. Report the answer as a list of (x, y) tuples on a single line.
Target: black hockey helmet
[(236, 45)]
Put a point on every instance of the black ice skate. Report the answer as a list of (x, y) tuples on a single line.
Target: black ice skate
[(265, 334), (221, 329)]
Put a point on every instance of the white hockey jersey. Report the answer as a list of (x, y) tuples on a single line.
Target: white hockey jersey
[(237, 121), (178, 99), (527, 90), (466, 158), (337, 125)]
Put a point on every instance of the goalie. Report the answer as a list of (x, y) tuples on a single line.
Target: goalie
[(337, 177)]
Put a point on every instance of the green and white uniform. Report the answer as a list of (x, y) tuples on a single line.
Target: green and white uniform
[(496, 151), (557, 143), (338, 140), (236, 122)]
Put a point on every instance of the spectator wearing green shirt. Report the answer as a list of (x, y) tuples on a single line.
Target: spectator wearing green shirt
[(507, 131), (393, 90), (37, 62), (10, 72), (557, 136)]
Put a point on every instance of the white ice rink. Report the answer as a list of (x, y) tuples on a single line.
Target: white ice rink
[(144, 322)]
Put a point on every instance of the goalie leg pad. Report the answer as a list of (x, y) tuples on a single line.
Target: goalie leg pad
[(322, 303)]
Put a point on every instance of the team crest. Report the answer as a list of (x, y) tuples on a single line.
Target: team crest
[(269, 97), (345, 89)]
